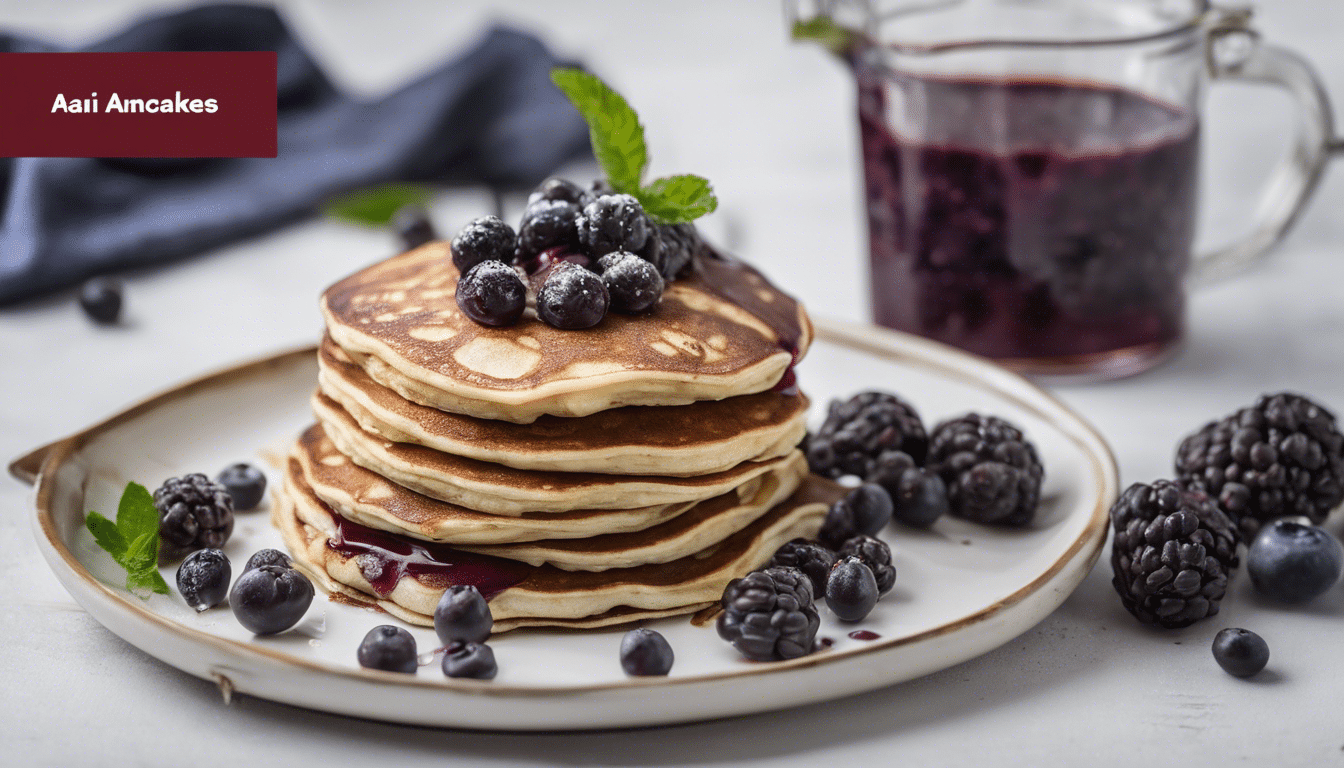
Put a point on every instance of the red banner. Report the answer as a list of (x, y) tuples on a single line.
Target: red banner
[(206, 104)]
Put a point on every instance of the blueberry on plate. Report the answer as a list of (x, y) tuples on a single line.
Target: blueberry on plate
[(203, 578), (101, 298), (851, 590), (645, 653), (871, 505), (920, 498), (245, 483), (462, 614), (1240, 652), (1293, 563), (269, 599), (471, 660), (388, 648)]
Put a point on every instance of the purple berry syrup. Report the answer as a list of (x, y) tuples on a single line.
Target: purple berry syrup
[(1031, 218)]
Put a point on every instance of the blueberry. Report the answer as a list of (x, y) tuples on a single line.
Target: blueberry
[(245, 483), (1293, 563), (492, 293), (100, 299), (851, 590), (838, 525), (270, 599), (633, 283), (559, 189), (1240, 652), (462, 614), (547, 224), (613, 223), (388, 648), (572, 298), (677, 245), (472, 660), (876, 555), (267, 557), (203, 578), (645, 653), (920, 499), (485, 239), (413, 226), (871, 505)]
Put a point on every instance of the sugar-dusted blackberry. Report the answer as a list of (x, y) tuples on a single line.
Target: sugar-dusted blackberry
[(245, 483), (492, 293), (203, 578), (475, 661), (645, 653), (389, 648), (1172, 553), (876, 555), (267, 557), (613, 223), (851, 589), (1282, 456), (992, 472), (194, 513), (859, 430), (485, 239), (809, 557), (547, 224), (633, 283), (559, 189), (677, 246), (101, 299), (413, 226), (572, 297), (770, 615)]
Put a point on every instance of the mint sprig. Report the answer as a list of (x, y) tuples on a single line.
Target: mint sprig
[(618, 144), (375, 206), (133, 540)]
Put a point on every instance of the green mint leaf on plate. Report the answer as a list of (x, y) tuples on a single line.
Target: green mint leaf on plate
[(613, 127), (375, 206), (133, 541), (825, 32), (678, 199)]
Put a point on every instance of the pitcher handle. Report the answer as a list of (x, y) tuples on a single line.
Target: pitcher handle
[(1292, 183)]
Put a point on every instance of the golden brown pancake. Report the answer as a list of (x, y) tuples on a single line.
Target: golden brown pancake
[(696, 439)]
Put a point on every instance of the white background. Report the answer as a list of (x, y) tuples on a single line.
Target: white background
[(725, 95)]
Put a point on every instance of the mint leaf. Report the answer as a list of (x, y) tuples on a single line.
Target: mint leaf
[(375, 206), (613, 127), (106, 534), (141, 563), (136, 513), (824, 31), (678, 199)]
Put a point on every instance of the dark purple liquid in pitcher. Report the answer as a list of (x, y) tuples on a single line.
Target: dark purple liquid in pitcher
[(1030, 219)]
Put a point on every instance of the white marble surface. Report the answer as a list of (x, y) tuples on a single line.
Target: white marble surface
[(723, 95)]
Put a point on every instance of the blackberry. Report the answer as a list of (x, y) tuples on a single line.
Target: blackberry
[(851, 590), (1282, 456), (412, 225), (811, 558), (462, 614), (101, 299), (1240, 652), (992, 472), (492, 293), (267, 557), (203, 578), (270, 599), (633, 284), (470, 660), (769, 615), (857, 431), (876, 555), (1293, 563), (572, 298), (613, 223), (194, 512), (645, 653), (677, 244), (389, 648), (245, 483), (1172, 553), (559, 189), (547, 224), (485, 239)]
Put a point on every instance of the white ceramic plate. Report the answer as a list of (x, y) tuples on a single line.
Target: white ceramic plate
[(961, 589)]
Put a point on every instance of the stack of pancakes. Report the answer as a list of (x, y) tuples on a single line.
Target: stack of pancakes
[(577, 478)]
